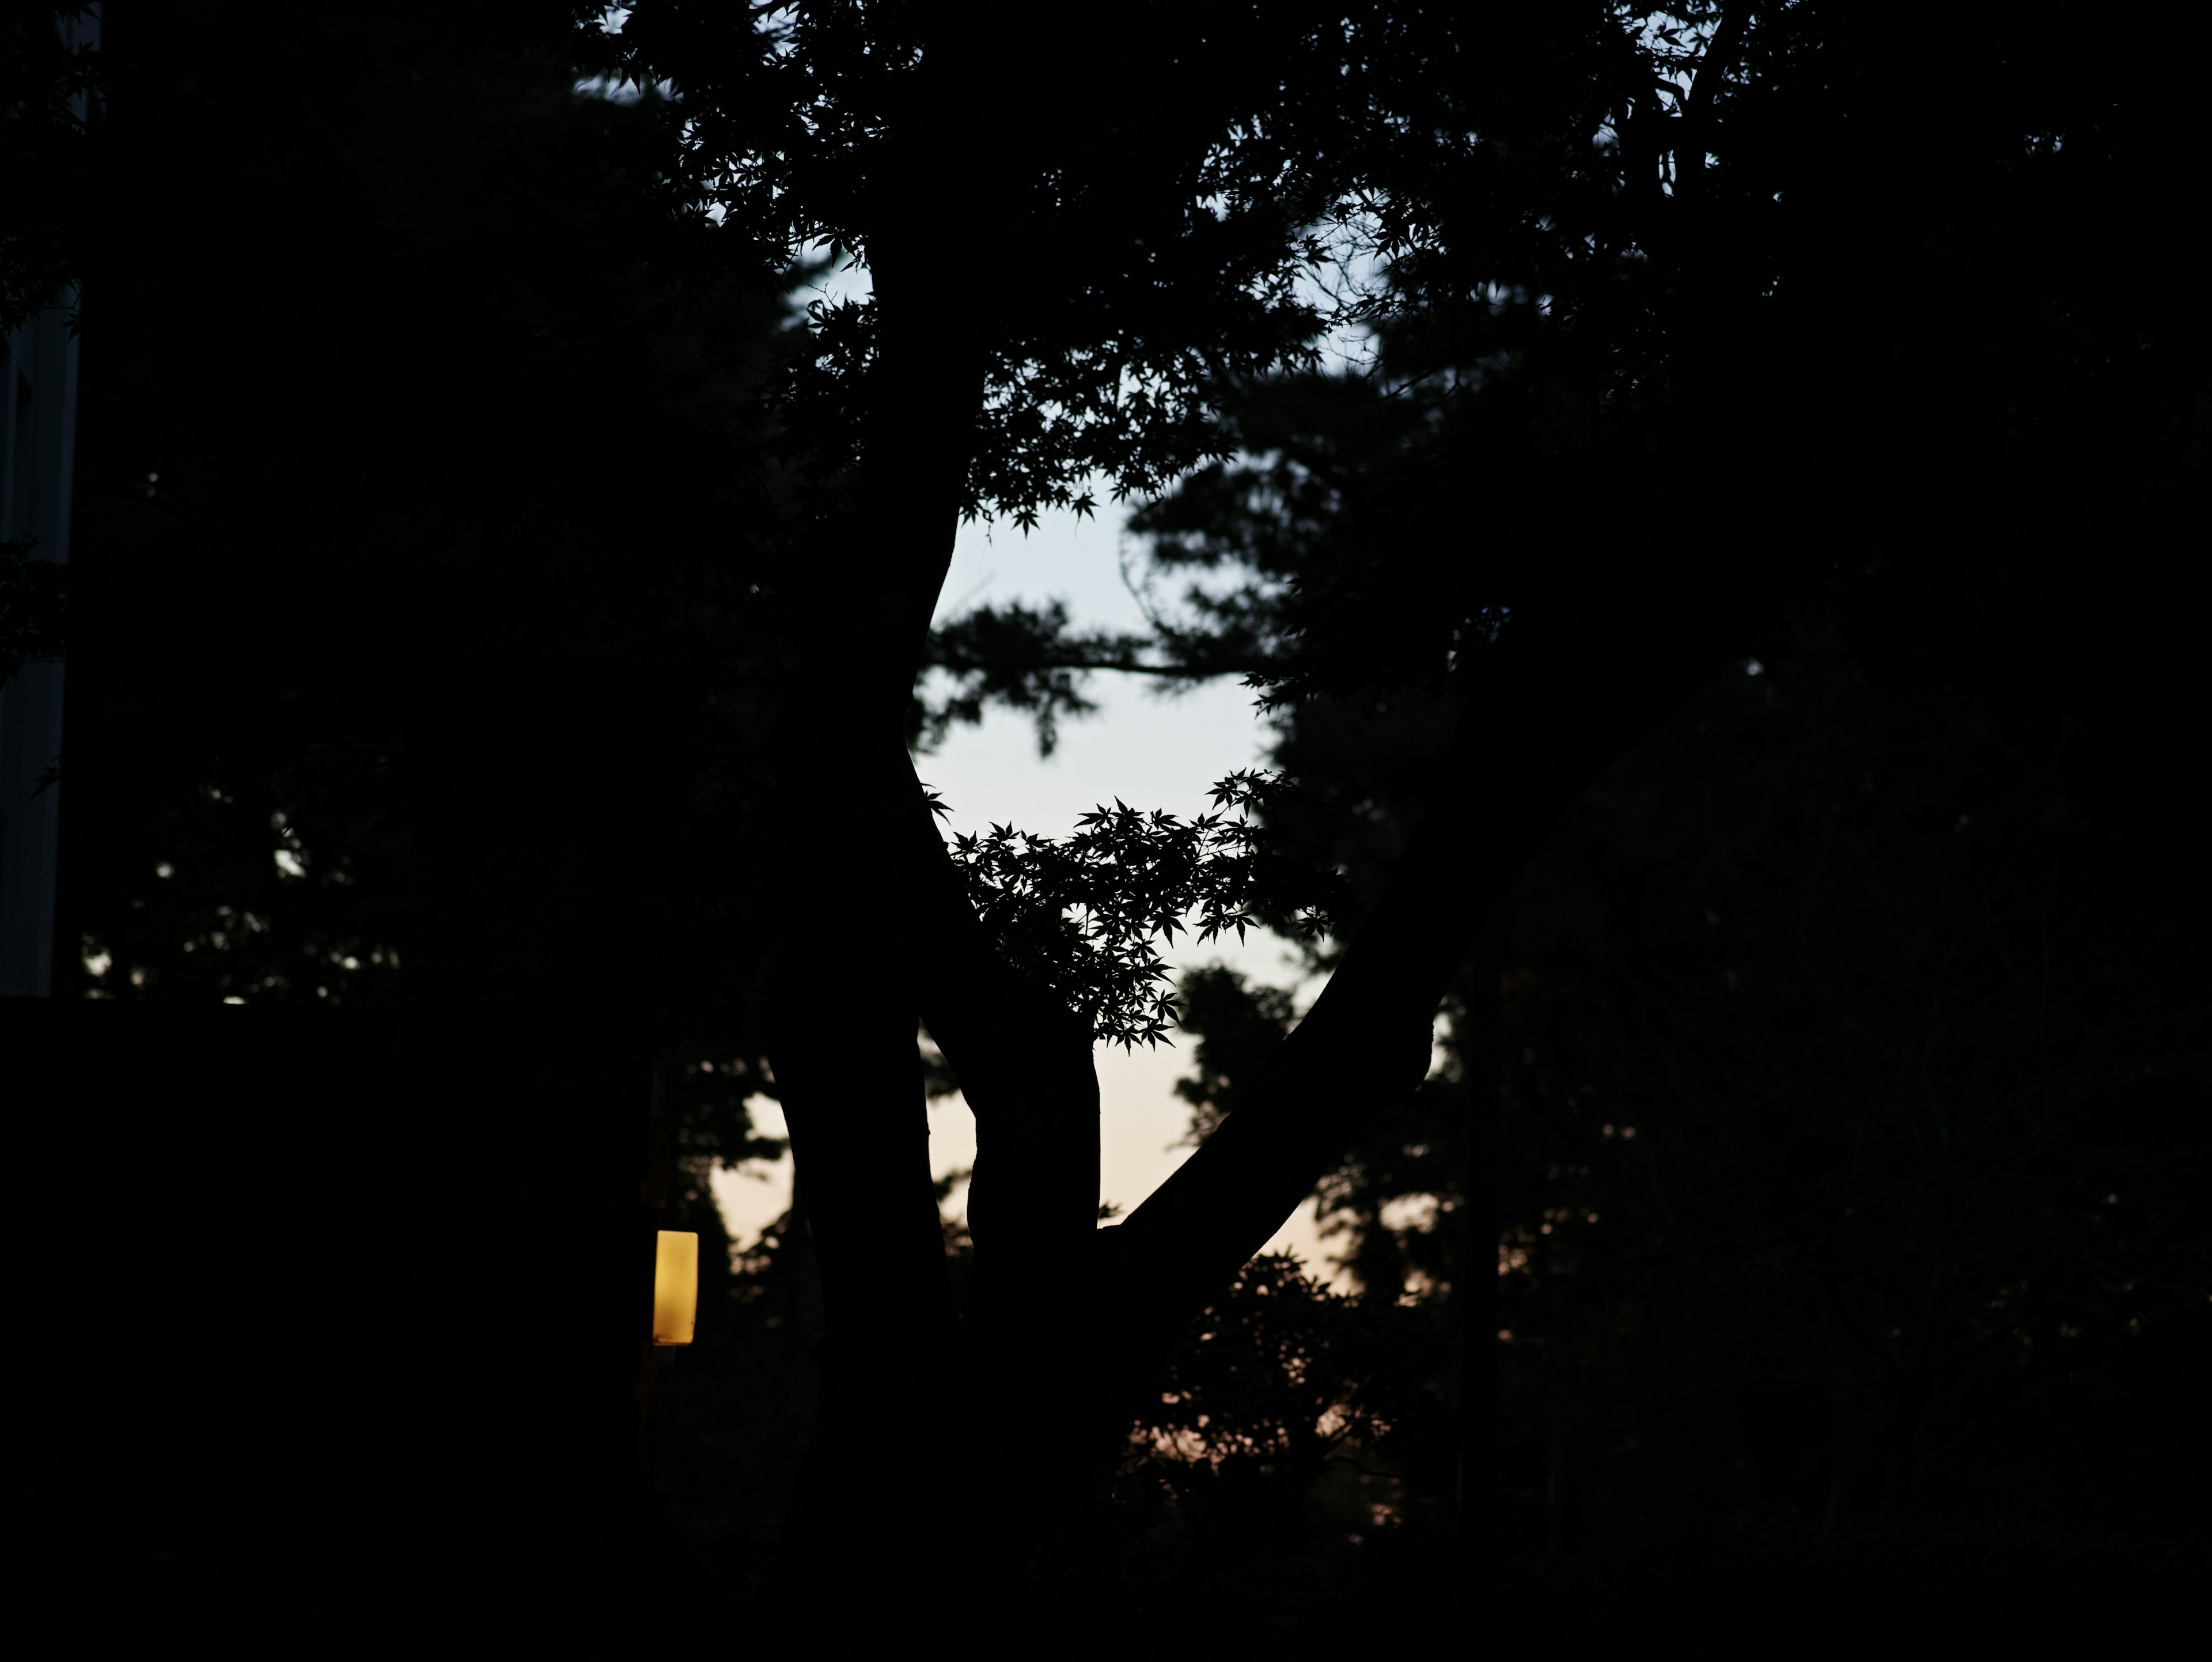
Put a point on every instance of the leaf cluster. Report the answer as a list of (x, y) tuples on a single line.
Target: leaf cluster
[(1264, 1375), (1083, 914), (1164, 202), (1238, 1024), (1017, 657), (1344, 526), (1279, 1384)]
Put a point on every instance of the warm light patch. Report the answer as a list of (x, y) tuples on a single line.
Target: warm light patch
[(675, 1286)]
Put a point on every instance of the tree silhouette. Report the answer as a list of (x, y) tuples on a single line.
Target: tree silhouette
[(1682, 325)]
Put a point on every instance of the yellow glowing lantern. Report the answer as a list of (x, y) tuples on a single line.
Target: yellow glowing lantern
[(675, 1286)]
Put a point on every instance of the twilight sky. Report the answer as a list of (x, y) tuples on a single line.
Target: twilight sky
[(1152, 751)]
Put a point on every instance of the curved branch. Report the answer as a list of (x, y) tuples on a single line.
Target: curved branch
[(1567, 690)]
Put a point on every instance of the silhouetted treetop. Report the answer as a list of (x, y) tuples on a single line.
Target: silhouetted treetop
[(1142, 197)]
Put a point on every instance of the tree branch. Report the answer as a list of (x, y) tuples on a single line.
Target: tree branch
[(1024, 1061), (1566, 691)]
